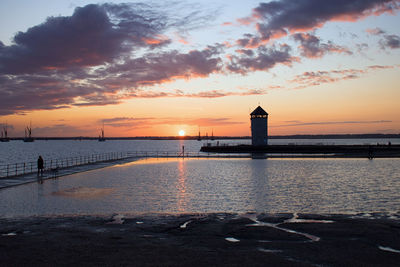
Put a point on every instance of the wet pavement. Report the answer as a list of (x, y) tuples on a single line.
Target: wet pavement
[(217, 239), (50, 174)]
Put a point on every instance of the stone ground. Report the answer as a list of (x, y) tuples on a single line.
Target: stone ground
[(201, 240)]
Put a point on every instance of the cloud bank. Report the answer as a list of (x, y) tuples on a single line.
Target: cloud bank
[(311, 47), (276, 19), (93, 35), (135, 123), (314, 78), (99, 55), (390, 41), (104, 54)]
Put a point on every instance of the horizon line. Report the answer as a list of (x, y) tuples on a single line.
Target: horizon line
[(190, 137)]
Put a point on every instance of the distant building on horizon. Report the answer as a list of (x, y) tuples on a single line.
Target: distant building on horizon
[(259, 127)]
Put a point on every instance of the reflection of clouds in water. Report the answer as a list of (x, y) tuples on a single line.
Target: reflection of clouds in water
[(84, 192)]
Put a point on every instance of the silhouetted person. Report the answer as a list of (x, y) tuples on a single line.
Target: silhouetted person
[(40, 166)]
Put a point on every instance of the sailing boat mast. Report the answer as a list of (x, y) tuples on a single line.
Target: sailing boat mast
[(28, 133), (101, 137), (4, 134), (199, 137)]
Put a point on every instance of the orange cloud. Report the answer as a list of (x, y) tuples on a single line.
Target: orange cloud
[(202, 94), (311, 47), (183, 41), (246, 21), (156, 40), (275, 19), (314, 78), (227, 24)]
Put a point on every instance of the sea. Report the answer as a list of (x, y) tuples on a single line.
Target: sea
[(198, 185)]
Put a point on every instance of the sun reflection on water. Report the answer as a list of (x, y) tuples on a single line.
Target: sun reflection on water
[(181, 205), (183, 185)]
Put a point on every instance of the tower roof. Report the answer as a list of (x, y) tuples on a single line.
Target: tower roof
[(259, 111)]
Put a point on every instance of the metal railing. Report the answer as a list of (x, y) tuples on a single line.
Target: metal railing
[(17, 169)]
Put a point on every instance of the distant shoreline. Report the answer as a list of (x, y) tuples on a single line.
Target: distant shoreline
[(302, 136)]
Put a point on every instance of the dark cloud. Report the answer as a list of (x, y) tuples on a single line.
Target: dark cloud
[(60, 130), (89, 58), (28, 92), (93, 35), (263, 59), (221, 93), (119, 119), (375, 31), (362, 47), (128, 122), (250, 41), (278, 18), (202, 94), (49, 65), (128, 76), (247, 52), (311, 47), (103, 54), (390, 41)]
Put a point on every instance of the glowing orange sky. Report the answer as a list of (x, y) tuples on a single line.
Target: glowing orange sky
[(336, 74)]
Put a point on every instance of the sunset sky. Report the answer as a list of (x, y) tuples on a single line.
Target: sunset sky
[(155, 68)]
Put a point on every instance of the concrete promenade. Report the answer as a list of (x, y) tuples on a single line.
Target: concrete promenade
[(50, 174)]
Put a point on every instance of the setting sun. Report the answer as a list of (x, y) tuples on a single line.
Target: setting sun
[(181, 133)]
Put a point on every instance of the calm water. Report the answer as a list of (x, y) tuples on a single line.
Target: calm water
[(18, 151), (223, 185)]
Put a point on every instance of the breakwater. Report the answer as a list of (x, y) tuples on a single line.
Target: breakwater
[(52, 165), (335, 150), (211, 151)]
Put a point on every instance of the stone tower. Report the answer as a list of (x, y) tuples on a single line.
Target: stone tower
[(259, 127)]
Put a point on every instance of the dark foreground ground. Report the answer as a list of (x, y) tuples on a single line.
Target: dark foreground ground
[(201, 240)]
